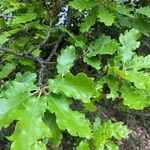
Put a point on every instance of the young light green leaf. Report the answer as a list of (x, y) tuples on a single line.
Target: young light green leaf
[(108, 130), (114, 87), (124, 10), (30, 129), (83, 145), (79, 87), (139, 62), (17, 93), (65, 60), (112, 146), (4, 38), (90, 107), (129, 44), (96, 123), (106, 16), (75, 122), (141, 80), (14, 6), (133, 98)]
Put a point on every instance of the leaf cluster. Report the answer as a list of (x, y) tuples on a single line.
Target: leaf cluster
[(46, 68)]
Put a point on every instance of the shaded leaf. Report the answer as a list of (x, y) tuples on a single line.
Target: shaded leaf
[(103, 45), (78, 42), (89, 21), (50, 121), (144, 11), (7, 69)]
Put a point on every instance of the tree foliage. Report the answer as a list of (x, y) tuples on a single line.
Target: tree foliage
[(45, 49)]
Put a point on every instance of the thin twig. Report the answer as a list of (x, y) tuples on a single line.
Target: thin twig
[(41, 73), (45, 40), (47, 37), (55, 47), (23, 54)]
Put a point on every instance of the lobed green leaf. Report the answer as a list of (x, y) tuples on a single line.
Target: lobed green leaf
[(30, 129), (106, 131), (79, 87), (75, 122), (65, 60)]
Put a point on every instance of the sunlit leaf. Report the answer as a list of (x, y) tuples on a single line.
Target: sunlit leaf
[(79, 87), (134, 98), (65, 60), (107, 130), (30, 128), (75, 122), (106, 16)]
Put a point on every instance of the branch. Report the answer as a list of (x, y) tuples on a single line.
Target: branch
[(45, 40), (55, 47), (25, 55), (47, 37), (40, 61), (41, 73), (60, 38)]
